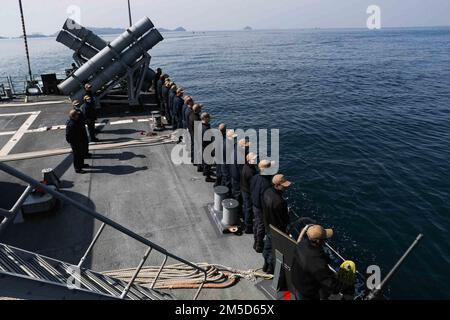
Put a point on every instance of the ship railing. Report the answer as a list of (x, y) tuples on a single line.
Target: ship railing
[(17, 85), (9, 215)]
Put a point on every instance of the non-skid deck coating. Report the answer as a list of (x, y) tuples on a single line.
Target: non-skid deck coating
[(137, 187)]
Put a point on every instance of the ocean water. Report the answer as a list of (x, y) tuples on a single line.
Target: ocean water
[(364, 119)]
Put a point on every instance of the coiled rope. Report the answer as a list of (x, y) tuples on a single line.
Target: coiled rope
[(180, 276)]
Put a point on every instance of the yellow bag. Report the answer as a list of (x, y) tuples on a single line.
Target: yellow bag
[(347, 273)]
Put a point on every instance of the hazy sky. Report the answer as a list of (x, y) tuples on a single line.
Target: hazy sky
[(47, 16)]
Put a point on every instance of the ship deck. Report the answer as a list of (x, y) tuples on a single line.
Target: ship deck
[(139, 188)]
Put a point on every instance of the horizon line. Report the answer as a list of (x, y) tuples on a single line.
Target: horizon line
[(243, 29)]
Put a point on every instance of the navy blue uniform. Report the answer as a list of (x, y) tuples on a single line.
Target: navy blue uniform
[(177, 107), (248, 172), (223, 169), (82, 119), (275, 213), (90, 115), (236, 170), (193, 117), (159, 86), (77, 138), (258, 185), (172, 95), (311, 274), (183, 116), (206, 167), (165, 102)]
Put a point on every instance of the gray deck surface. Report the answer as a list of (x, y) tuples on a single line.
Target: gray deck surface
[(137, 187)]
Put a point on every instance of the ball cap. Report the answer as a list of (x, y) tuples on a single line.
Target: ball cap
[(316, 232), (222, 127), (280, 180), (243, 143), (252, 157), (266, 164)]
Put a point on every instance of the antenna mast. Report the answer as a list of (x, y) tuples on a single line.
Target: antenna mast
[(129, 13), (25, 40)]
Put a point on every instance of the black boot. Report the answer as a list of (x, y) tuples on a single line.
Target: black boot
[(265, 267), (270, 269), (209, 179)]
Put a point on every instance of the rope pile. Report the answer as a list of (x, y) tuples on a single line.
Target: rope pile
[(180, 276)]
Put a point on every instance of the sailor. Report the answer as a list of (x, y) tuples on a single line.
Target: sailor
[(90, 116), (248, 172), (233, 166), (171, 98), (78, 108), (241, 150), (177, 107), (165, 100), (75, 132), (159, 87), (74, 68), (89, 92), (311, 275), (155, 81), (206, 167), (258, 185), (275, 213), (156, 78), (194, 117), (223, 177), (187, 109)]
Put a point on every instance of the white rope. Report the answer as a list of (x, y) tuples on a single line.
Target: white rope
[(180, 276)]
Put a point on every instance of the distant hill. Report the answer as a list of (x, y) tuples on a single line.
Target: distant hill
[(248, 28), (106, 31), (35, 35), (179, 29), (99, 31)]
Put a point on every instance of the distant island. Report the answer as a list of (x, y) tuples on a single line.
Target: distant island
[(179, 29), (35, 35), (98, 31), (248, 28), (106, 31)]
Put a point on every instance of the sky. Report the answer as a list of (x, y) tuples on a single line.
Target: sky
[(47, 16)]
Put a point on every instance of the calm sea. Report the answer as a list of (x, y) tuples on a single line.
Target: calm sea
[(365, 128)]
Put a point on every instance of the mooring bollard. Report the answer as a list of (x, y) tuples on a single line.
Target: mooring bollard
[(220, 194), (230, 212), (157, 121)]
